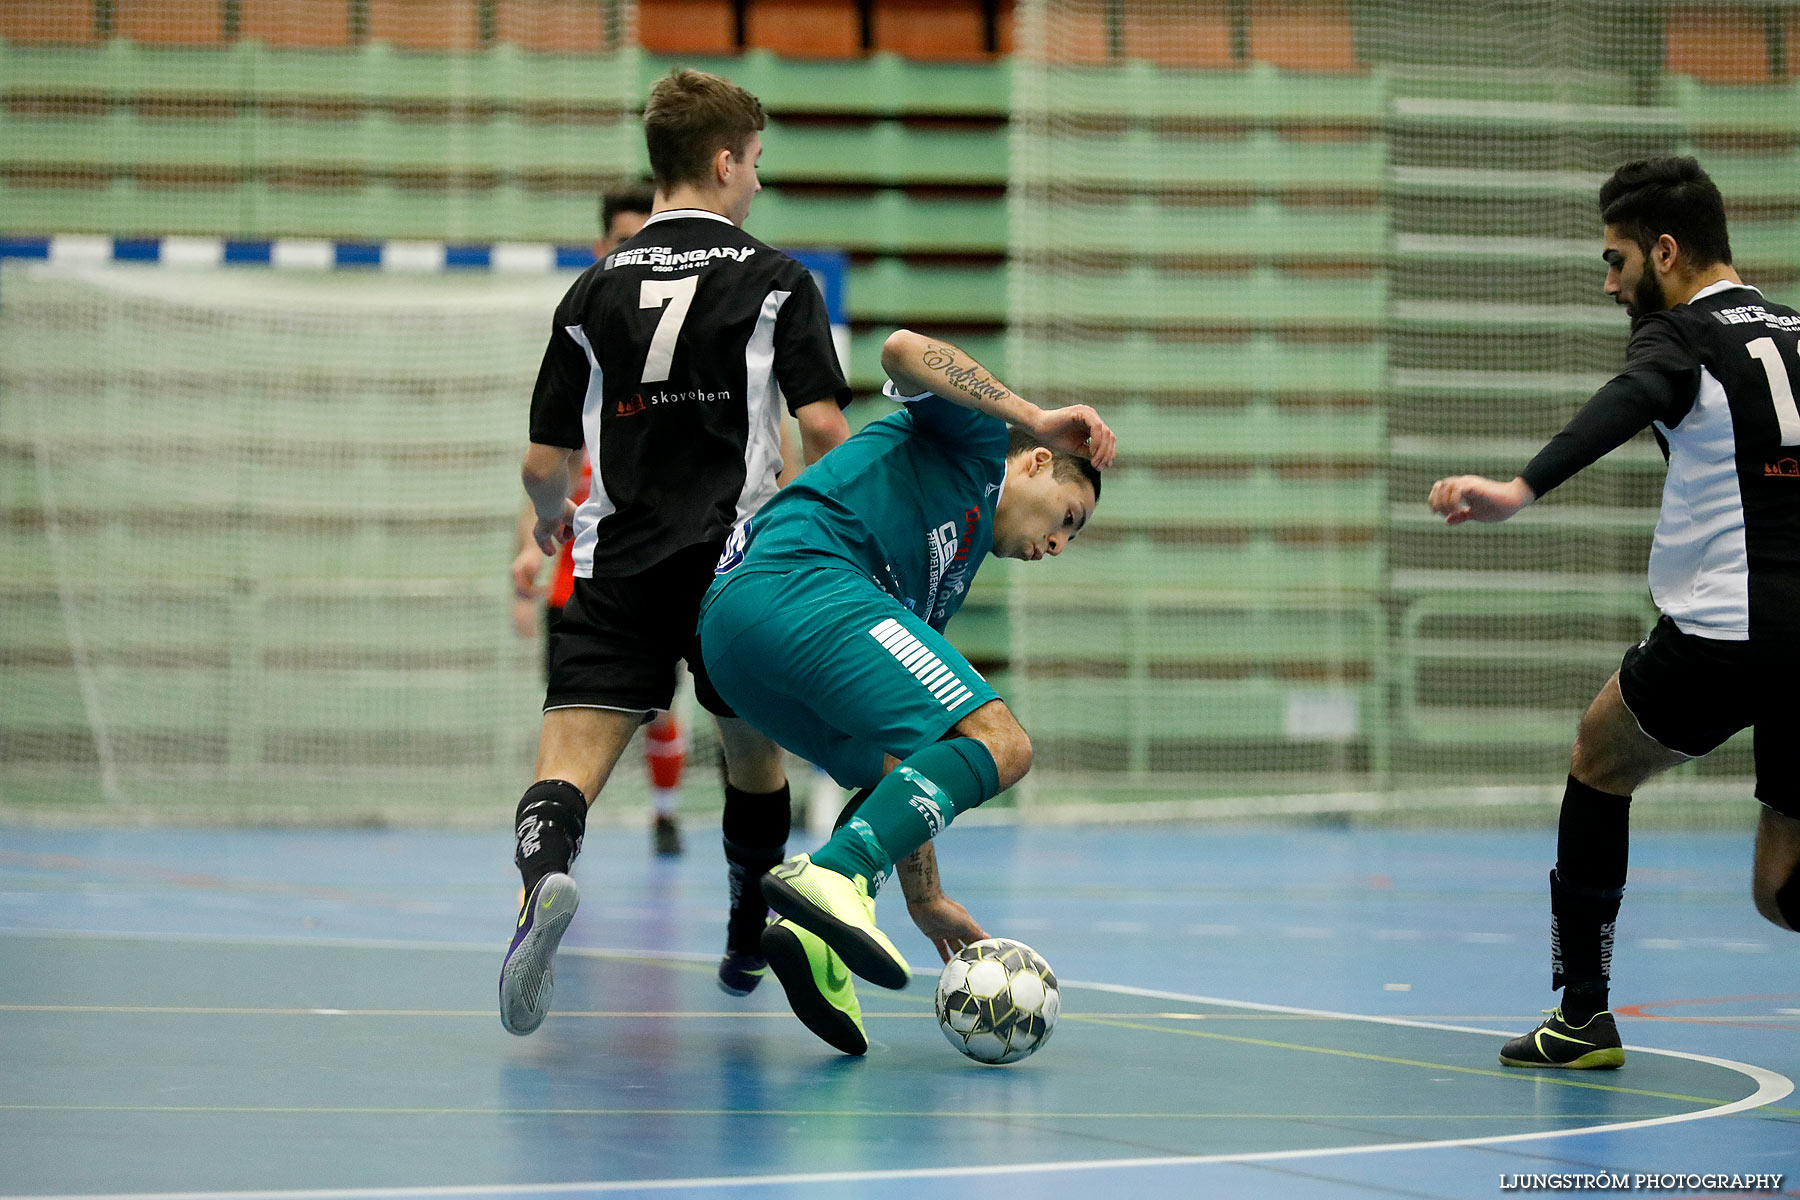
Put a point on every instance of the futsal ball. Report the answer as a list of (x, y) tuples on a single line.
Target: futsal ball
[(997, 1001)]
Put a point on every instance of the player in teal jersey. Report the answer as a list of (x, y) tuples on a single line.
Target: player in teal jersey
[(824, 629)]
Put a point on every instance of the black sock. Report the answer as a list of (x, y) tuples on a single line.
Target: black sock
[(1592, 850), (550, 821), (756, 830)]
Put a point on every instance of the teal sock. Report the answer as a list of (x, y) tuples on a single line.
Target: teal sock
[(914, 804)]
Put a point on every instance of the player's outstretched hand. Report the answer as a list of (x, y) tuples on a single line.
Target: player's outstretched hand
[(1472, 498), (549, 535), (1078, 429), (947, 923)]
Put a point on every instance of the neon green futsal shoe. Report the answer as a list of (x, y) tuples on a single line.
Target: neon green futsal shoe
[(817, 984), (1556, 1043), (841, 912)]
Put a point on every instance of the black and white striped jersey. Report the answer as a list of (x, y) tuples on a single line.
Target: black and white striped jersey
[(669, 361), (1725, 562)]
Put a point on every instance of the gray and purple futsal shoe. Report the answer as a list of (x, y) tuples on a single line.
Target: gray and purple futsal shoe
[(526, 978)]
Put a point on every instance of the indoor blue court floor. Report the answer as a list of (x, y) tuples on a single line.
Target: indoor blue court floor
[(1260, 1012)]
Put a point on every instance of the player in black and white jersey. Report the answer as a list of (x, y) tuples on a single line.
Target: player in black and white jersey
[(669, 361), (1712, 367)]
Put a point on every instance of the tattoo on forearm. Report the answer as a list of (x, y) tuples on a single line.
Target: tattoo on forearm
[(971, 380), (918, 876)]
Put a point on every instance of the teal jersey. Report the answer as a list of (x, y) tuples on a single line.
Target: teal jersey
[(908, 501)]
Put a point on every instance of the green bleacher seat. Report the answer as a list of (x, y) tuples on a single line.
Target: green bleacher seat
[(413, 549), (886, 221), (881, 84), (1145, 500), (884, 152), (1501, 645), (1772, 177), (1257, 160), (1266, 230), (122, 70), (1773, 243), (365, 482), (1149, 295), (1723, 108), (1272, 632), (1261, 93), (895, 292), (1190, 710), (1137, 364), (1137, 564), (1593, 84)]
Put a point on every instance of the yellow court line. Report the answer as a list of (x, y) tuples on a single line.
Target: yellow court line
[(1515, 1074)]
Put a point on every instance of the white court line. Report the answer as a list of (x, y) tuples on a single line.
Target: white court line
[(1770, 1087)]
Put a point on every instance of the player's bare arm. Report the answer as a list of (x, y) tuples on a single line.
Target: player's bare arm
[(822, 426), (1472, 498), (545, 474), (920, 364), (528, 560), (947, 923)]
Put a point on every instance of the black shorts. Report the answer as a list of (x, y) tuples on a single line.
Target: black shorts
[(1691, 693), (618, 641)]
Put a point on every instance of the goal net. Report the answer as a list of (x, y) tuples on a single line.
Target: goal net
[(259, 522), (1308, 256)]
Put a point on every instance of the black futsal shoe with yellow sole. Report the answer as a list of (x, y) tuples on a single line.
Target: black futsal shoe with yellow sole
[(839, 909), (1556, 1043), (817, 984)]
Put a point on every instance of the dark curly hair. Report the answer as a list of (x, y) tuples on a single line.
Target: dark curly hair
[(1649, 197)]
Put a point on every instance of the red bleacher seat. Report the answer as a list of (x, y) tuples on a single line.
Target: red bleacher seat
[(1170, 33), (47, 22), (688, 26), (170, 22), (932, 29), (425, 24), (805, 28), (1719, 44), (556, 26), (1303, 35), (319, 24)]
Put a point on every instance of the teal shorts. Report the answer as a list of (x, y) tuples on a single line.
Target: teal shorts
[(833, 668)]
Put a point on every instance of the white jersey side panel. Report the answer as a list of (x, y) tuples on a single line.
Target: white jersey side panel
[(598, 504), (1699, 568), (762, 446)]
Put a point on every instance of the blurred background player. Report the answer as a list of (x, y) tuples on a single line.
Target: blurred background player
[(668, 361), (623, 212), (1713, 368), (825, 630)]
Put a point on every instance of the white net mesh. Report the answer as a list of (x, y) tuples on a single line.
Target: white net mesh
[(257, 536), (1309, 257)]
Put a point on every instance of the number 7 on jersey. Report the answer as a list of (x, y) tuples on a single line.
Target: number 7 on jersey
[(677, 295)]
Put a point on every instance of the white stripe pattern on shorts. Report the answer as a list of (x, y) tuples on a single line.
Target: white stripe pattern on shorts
[(927, 668)]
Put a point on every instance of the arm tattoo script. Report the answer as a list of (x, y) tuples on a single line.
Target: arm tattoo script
[(971, 380), (918, 876)]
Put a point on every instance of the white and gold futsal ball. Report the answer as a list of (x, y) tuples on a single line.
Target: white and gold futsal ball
[(997, 1001)]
